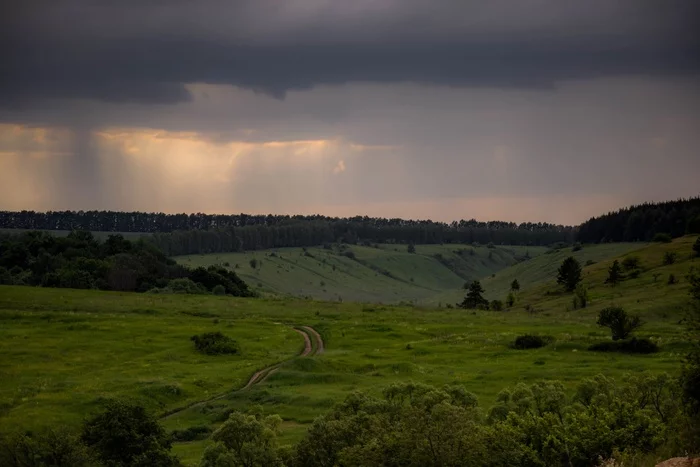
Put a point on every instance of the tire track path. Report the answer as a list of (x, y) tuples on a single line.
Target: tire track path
[(307, 332)]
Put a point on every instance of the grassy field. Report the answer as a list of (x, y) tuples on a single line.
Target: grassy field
[(66, 351), (382, 274)]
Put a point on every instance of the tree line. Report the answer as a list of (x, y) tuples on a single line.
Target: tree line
[(205, 233), (80, 261), (643, 222)]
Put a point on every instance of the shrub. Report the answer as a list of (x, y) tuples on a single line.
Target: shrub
[(253, 263), (580, 297), (634, 274), (577, 247), (696, 247), (662, 238), (672, 279), (529, 341), (411, 248), (630, 262), (490, 245), (496, 305), (590, 262), (633, 345), (219, 290), (185, 285), (215, 343), (349, 254), (49, 447), (510, 300), (669, 258), (193, 433), (618, 321)]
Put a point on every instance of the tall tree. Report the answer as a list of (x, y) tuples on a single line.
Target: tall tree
[(515, 285), (474, 297), (569, 274), (614, 274)]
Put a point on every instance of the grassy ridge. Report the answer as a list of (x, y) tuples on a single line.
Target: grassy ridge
[(386, 274)]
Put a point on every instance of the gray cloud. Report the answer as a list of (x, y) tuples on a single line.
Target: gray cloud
[(147, 51)]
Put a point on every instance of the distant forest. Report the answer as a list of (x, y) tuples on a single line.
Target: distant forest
[(179, 234), (642, 222)]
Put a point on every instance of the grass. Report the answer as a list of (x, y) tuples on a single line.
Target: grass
[(381, 274), (66, 351)]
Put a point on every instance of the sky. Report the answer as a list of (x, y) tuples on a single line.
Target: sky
[(535, 110)]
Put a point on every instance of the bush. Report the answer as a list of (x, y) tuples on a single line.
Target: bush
[(215, 343), (634, 274), (219, 290), (529, 341), (662, 238), (633, 345), (496, 305), (672, 279), (618, 321), (630, 262), (669, 258), (193, 433), (349, 254), (51, 447), (185, 285), (577, 246)]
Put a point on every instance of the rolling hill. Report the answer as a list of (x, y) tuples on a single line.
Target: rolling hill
[(379, 274)]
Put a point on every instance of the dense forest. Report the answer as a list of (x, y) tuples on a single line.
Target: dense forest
[(80, 261), (205, 233), (643, 222)]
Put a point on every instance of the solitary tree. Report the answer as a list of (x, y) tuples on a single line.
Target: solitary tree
[(618, 321), (515, 285), (569, 274), (614, 274), (474, 297)]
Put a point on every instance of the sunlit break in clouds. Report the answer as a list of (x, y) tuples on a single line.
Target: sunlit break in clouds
[(521, 111)]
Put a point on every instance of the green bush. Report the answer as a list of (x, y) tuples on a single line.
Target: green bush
[(616, 319), (215, 343), (529, 341), (126, 435), (630, 263), (670, 258), (185, 285), (49, 447), (219, 290), (633, 345), (662, 238), (193, 433), (496, 305)]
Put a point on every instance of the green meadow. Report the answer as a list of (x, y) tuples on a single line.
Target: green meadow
[(67, 351)]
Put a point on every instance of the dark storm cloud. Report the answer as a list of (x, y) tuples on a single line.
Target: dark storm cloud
[(146, 51)]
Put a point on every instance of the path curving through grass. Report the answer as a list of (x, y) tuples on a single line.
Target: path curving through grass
[(307, 332)]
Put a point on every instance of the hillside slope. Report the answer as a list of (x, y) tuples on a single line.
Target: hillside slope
[(379, 274), (651, 294), (537, 270)]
